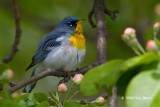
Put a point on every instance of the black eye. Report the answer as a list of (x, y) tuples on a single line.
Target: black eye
[(70, 24)]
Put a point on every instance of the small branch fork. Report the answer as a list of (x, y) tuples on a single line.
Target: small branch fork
[(14, 47), (90, 14), (112, 15), (49, 72)]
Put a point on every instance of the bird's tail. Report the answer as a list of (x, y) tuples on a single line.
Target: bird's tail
[(29, 87)]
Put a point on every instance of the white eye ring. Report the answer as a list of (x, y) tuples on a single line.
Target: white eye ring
[(70, 24)]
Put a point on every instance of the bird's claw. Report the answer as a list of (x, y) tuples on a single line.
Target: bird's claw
[(65, 73)]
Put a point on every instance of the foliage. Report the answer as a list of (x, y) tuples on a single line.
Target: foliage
[(137, 78), (25, 100), (142, 86), (38, 99)]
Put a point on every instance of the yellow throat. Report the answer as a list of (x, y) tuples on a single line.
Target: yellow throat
[(77, 39)]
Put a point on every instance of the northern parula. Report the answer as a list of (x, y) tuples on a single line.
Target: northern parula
[(62, 49)]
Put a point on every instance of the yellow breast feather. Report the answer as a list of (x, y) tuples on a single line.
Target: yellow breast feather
[(77, 39)]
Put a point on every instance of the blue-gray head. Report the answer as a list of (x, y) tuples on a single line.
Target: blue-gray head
[(68, 24)]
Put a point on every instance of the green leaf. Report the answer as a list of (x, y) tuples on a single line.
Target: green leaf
[(21, 97), (7, 103), (3, 80), (5, 95), (57, 96), (109, 73), (91, 105), (43, 104), (157, 41), (31, 99), (72, 104), (143, 88), (40, 97), (153, 65), (124, 80), (3, 67), (54, 97), (94, 76), (139, 60), (95, 105), (156, 100), (27, 100)]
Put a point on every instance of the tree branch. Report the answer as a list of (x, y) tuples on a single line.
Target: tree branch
[(99, 10), (49, 72), (113, 99), (101, 30), (14, 47)]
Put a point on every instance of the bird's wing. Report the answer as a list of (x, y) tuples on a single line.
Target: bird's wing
[(44, 49)]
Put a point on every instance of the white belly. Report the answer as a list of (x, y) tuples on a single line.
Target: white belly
[(64, 58)]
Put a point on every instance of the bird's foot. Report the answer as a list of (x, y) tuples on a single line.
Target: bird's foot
[(65, 73), (77, 69), (65, 79)]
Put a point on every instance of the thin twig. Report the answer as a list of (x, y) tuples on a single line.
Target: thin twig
[(14, 47), (90, 14), (112, 14), (65, 99), (65, 79), (50, 72), (73, 95)]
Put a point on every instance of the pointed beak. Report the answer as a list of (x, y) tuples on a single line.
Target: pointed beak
[(80, 21)]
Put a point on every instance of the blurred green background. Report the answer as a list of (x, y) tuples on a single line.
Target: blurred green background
[(38, 17)]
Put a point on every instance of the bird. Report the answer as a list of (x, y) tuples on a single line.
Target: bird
[(62, 49)]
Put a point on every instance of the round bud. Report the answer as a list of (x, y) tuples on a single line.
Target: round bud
[(130, 31), (77, 79), (157, 25), (8, 74), (100, 101), (156, 28), (129, 34), (151, 45), (62, 88)]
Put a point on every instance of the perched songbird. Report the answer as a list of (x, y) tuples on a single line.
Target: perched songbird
[(62, 49)]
